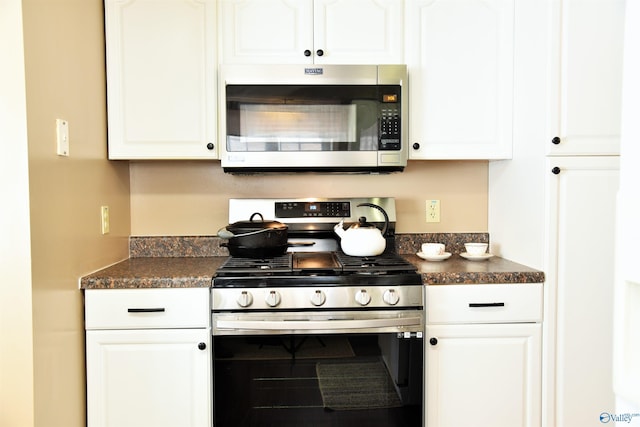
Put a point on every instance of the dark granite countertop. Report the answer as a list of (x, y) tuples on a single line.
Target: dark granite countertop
[(457, 270), (155, 272), (185, 272), (191, 262)]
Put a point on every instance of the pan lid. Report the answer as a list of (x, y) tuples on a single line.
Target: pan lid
[(256, 224)]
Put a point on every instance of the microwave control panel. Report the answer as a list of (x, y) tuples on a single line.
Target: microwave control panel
[(389, 128), (389, 118)]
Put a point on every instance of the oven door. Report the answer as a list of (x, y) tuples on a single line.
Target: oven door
[(323, 369)]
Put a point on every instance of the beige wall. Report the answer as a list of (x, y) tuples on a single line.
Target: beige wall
[(64, 78), (191, 198)]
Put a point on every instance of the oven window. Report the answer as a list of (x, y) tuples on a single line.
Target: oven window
[(318, 380)]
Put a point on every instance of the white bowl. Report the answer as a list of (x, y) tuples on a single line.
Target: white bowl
[(476, 248)]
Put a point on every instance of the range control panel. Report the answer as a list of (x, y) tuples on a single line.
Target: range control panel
[(313, 209), (313, 214)]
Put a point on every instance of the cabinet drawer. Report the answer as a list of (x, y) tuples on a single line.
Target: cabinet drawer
[(147, 308), (484, 303)]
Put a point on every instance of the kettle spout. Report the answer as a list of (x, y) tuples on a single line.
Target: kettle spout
[(338, 228)]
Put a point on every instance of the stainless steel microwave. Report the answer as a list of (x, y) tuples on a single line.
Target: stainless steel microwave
[(325, 118)]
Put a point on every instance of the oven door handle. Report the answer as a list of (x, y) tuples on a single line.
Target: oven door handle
[(338, 324)]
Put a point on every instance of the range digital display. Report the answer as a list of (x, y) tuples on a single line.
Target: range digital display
[(312, 208)]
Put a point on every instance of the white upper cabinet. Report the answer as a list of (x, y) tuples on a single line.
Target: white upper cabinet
[(358, 31), (460, 59), (586, 77), (311, 31), (161, 78), (266, 31)]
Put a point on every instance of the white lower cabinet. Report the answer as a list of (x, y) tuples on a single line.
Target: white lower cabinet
[(579, 301), (483, 358), (139, 375)]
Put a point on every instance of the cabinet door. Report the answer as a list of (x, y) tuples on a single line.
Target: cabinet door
[(311, 31), (460, 58), (266, 31), (152, 378), (483, 375), (586, 80), (358, 31), (579, 288), (627, 288), (161, 74)]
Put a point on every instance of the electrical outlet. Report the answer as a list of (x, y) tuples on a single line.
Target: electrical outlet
[(104, 215), (433, 210)]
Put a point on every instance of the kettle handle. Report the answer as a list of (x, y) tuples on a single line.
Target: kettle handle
[(384, 213)]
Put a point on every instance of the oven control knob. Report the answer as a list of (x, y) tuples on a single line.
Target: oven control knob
[(318, 298), (362, 297), (245, 299), (273, 298), (391, 297)]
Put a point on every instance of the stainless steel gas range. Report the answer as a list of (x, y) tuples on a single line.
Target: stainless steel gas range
[(281, 321)]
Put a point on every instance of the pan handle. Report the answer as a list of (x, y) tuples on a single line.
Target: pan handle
[(299, 244), (226, 234)]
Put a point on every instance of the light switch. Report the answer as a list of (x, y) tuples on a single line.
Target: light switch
[(104, 217), (62, 137)]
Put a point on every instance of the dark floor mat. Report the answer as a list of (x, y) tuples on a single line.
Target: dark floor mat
[(365, 385)]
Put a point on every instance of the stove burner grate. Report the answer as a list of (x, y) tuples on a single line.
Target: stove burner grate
[(386, 262), (314, 264), (278, 264)]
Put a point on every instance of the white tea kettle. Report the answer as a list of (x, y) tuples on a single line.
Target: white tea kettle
[(362, 238)]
